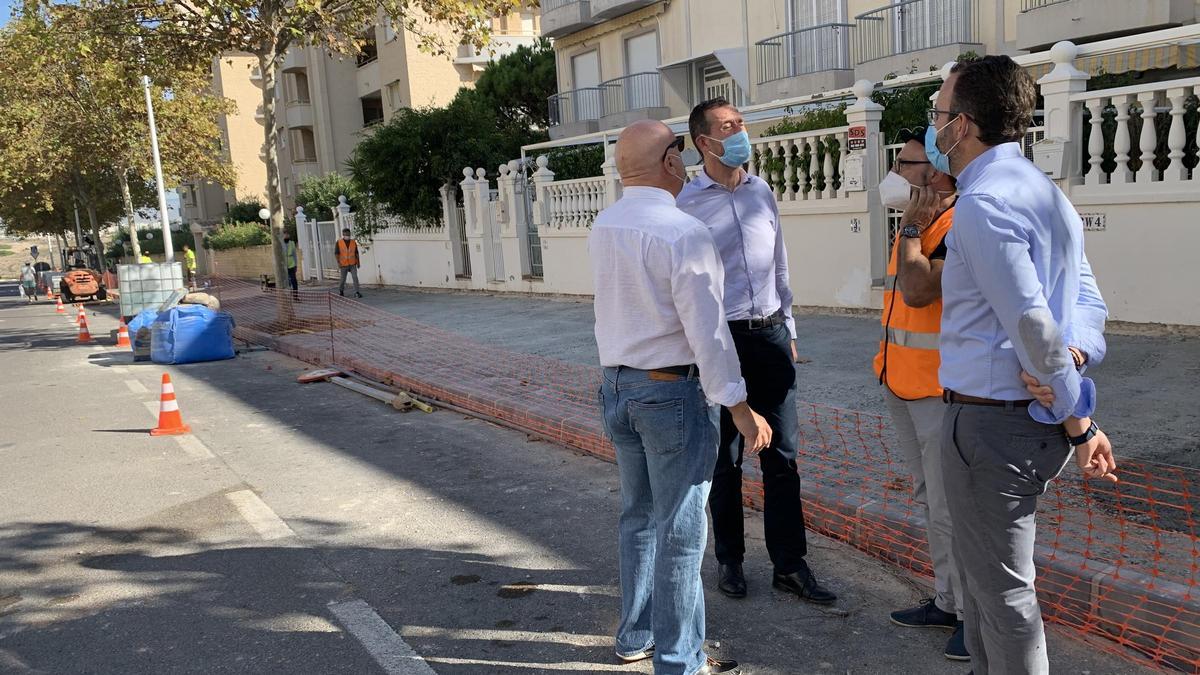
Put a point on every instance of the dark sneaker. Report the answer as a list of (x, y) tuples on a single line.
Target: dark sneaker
[(718, 666), (804, 584), (358, 295), (925, 615), (636, 656), (731, 581), (956, 648)]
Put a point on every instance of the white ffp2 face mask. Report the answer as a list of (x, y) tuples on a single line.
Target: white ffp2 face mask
[(894, 191)]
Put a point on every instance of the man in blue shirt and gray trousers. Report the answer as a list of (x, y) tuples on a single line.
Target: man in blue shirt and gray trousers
[(1017, 291)]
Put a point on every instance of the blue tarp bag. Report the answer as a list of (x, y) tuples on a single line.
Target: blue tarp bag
[(190, 334), (144, 319)]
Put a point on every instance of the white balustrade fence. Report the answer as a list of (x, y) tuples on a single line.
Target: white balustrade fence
[(574, 203), (803, 166), (1142, 134)]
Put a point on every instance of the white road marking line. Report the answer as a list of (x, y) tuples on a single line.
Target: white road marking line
[(259, 516), (388, 649), (194, 446), (120, 370), (136, 387), (502, 666), (98, 348)]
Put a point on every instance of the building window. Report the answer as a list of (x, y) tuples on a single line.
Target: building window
[(372, 109), (297, 86), (389, 30), (715, 82), (304, 145), (369, 51), (395, 102)]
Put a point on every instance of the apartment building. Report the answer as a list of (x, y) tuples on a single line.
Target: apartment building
[(236, 77), (326, 103), (622, 60)]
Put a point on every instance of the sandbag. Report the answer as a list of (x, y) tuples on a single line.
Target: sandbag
[(209, 301), (190, 334)]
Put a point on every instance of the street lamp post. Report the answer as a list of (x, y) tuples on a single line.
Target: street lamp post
[(168, 245)]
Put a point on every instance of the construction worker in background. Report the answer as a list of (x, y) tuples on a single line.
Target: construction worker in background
[(907, 366), (29, 283), (348, 261), (189, 264), (289, 256), (144, 259)]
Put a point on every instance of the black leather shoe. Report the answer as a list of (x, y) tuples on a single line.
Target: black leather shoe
[(732, 582), (804, 584), (718, 666)]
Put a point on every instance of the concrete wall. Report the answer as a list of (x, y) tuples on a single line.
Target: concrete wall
[(242, 263), (412, 259), (829, 262)]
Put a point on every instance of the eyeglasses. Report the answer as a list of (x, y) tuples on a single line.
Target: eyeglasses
[(901, 163), (677, 144), (932, 115)]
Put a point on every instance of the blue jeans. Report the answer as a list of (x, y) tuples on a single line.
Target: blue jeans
[(665, 434)]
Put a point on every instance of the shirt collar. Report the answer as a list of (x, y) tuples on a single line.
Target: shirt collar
[(648, 192), (994, 154), (704, 181)]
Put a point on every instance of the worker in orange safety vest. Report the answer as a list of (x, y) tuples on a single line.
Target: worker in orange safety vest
[(348, 261)]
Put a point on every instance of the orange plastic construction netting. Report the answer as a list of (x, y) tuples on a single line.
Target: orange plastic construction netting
[(1118, 561)]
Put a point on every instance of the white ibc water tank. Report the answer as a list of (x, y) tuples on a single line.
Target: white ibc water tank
[(146, 286)]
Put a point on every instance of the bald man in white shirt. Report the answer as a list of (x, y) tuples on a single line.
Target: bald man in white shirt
[(669, 364)]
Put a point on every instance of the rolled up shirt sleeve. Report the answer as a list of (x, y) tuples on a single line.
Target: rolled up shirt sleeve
[(697, 286), (1086, 331), (782, 284), (995, 247)]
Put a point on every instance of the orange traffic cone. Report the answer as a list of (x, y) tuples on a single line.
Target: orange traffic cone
[(170, 422), (59, 309), (84, 336), (78, 315), (123, 335)]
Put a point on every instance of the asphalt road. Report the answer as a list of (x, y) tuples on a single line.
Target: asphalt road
[(308, 529)]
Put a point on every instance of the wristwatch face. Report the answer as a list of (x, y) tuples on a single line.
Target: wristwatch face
[(910, 231)]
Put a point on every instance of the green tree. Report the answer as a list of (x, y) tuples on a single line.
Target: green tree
[(244, 211), (405, 163), (318, 195), (268, 29), (519, 84)]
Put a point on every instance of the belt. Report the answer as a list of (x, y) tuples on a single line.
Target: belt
[(754, 323), (671, 373), (949, 396)]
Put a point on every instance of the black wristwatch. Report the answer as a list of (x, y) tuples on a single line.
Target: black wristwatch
[(910, 232), (1088, 435)]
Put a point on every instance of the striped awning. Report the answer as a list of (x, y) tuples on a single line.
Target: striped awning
[(1166, 56)]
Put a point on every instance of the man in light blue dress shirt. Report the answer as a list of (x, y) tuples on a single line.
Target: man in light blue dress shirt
[(1017, 291), (740, 211)]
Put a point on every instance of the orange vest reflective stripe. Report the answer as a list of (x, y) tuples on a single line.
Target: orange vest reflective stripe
[(908, 359), (347, 254)]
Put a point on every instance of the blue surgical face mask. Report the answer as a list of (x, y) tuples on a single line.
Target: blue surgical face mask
[(940, 160), (737, 149)]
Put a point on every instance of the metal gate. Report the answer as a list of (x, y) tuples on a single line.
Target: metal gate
[(463, 268), (327, 236), (533, 240)]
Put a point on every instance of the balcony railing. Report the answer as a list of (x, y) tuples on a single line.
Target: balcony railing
[(551, 5), (1027, 5), (811, 50), (915, 25), (632, 92), (577, 105)]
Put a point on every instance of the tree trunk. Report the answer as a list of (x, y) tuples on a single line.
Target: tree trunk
[(123, 179), (268, 64), (91, 213)]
